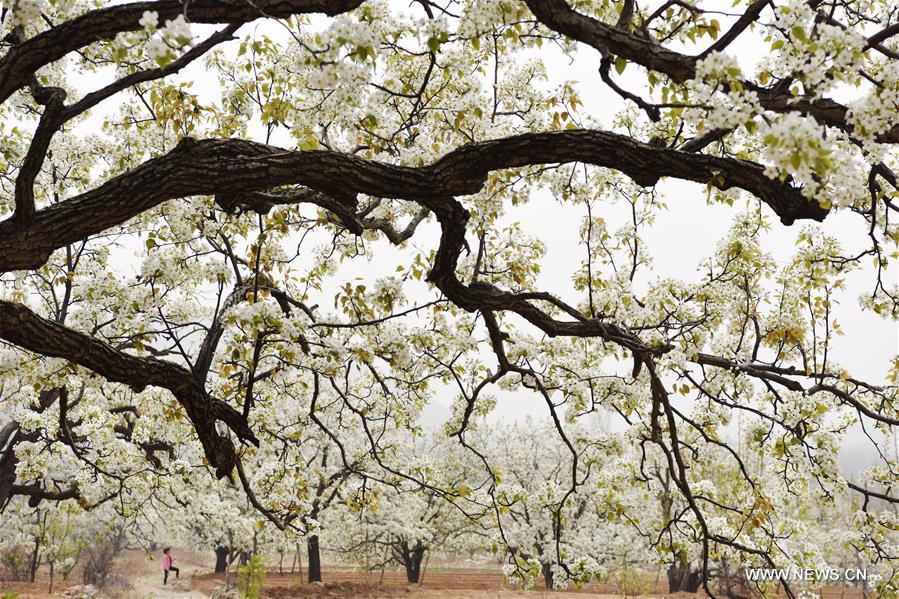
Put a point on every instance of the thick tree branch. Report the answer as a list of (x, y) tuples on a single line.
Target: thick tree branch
[(825, 111), (36, 493), (237, 166), (214, 335), (883, 35), (560, 17), (55, 115), (22, 60), (52, 99), (487, 298), (22, 327), (749, 17), (344, 207)]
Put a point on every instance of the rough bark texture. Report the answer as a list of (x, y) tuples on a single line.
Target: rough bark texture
[(560, 17), (218, 166)]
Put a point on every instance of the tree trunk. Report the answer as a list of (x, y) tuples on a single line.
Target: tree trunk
[(412, 560), (681, 578), (299, 562), (221, 559), (547, 575), (315, 560), (694, 581), (675, 577), (35, 559)]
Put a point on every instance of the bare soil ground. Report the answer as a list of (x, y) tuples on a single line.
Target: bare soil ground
[(138, 575), (448, 584), (469, 584)]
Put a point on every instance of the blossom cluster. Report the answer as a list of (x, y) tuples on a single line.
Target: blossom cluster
[(172, 36), (800, 148), (26, 12), (719, 99), (877, 111), (819, 54)]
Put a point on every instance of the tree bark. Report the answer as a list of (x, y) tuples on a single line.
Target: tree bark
[(412, 559), (221, 559), (682, 578), (21, 326), (22, 60), (315, 560), (547, 569), (36, 553), (232, 169)]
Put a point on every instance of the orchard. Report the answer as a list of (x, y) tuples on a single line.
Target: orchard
[(590, 295)]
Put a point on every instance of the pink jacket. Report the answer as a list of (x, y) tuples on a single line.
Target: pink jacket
[(166, 561)]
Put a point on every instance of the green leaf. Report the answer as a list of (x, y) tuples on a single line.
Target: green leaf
[(370, 121)]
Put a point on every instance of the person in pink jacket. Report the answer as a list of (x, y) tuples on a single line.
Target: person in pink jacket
[(167, 566)]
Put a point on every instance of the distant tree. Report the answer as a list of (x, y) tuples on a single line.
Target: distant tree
[(388, 521)]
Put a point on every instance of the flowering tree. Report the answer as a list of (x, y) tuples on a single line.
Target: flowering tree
[(547, 530), (401, 520), (319, 233)]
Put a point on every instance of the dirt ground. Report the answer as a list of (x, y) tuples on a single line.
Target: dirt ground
[(138, 575), (446, 584), (436, 585)]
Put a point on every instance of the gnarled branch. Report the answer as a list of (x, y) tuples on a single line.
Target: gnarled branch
[(218, 166), (22, 327)]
